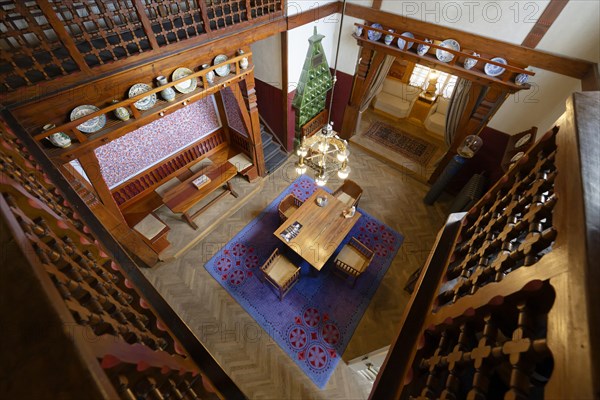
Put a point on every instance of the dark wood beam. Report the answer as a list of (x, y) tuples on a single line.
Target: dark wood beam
[(313, 14), (284, 87), (591, 82), (139, 8), (568, 66), (544, 22)]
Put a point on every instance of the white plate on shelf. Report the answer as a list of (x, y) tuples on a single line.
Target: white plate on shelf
[(523, 141), (91, 125), (445, 56), (224, 70), (495, 70), (185, 86), (145, 103), (422, 49), (374, 35), (402, 41)]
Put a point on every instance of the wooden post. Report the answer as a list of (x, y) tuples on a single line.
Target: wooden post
[(222, 115), (251, 120), (91, 166), (369, 64), (284, 89)]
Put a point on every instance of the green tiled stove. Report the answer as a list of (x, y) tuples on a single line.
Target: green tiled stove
[(315, 81)]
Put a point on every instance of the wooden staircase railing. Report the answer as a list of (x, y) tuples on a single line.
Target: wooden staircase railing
[(123, 339), (506, 305)]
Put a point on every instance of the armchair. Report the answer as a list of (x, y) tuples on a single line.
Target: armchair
[(396, 98), (279, 271), (353, 260), (436, 119), (349, 193)]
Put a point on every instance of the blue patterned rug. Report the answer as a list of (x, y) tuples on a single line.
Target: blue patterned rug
[(316, 319)]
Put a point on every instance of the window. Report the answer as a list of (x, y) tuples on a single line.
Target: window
[(445, 83)]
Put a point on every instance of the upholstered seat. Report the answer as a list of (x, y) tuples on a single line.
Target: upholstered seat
[(280, 272), (349, 193), (353, 260), (396, 98), (288, 205), (436, 119), (154, 232)]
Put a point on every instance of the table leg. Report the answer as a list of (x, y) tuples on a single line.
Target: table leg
[(189, 220), (230, 187)]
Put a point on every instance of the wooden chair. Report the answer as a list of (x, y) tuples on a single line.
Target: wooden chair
[(280, 272), (349, 193), (353, 260), (288, 205)]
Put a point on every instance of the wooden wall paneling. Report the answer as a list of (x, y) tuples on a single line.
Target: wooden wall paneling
[(567, 66), (90, 164), (370, 62)]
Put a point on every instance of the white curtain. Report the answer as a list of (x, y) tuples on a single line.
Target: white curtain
[(456, 108), (375, 87)]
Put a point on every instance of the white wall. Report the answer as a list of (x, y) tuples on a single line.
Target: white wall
[(298, 46), (509, 21), (266, 55), (575, 33)]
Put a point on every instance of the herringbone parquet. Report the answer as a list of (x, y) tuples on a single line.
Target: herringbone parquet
[(246, 352)]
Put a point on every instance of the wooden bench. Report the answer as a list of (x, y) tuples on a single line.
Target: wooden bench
[(182, 197)]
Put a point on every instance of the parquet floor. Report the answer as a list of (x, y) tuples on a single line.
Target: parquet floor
[(254, 361)]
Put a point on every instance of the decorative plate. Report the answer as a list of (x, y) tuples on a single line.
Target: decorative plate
[(374, 35), (402, 41), (422, 49), (91, 125), (517, 157), (495, 70), (444, 56), (224, 70), (145, 103), (523, 141), (521, 79), (471, 62), (185, 86)]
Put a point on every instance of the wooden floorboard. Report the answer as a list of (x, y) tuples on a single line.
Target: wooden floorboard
[(247, 353)]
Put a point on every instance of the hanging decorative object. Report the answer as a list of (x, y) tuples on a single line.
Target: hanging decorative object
[(324, 152)]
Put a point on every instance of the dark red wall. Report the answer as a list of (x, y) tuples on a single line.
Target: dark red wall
[(270, 100)]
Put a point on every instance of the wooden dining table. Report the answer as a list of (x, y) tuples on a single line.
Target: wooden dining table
[(323, 228)]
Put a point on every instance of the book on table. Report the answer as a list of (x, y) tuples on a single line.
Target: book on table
[(201, 181)]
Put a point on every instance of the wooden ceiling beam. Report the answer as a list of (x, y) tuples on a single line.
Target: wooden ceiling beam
[(313, 14), (575, 68), (544, 22)]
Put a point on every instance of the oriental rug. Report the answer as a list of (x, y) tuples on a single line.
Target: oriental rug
[(411, 147), (316, 319)]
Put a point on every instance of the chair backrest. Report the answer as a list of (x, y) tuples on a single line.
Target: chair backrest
[(442, 105), (351, 188)]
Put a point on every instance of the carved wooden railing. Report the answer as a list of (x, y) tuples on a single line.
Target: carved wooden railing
[(506, 304), (153, 177), (47, 39), (106, 313)]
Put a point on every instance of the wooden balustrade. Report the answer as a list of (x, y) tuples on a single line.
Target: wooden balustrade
[(507, 301), (114, 329)]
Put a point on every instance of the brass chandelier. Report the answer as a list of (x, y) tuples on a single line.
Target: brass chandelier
[(325, 152)]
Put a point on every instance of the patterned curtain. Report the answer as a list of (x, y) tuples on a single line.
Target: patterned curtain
[(456, 108), (376, 86)]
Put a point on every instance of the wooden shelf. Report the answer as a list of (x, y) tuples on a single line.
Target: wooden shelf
[(454, 67), (115, 128)]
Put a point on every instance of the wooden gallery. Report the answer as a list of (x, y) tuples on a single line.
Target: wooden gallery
[(230, 199)]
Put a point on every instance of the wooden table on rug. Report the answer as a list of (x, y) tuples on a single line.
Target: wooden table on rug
[(181, 198), (323, 228)]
